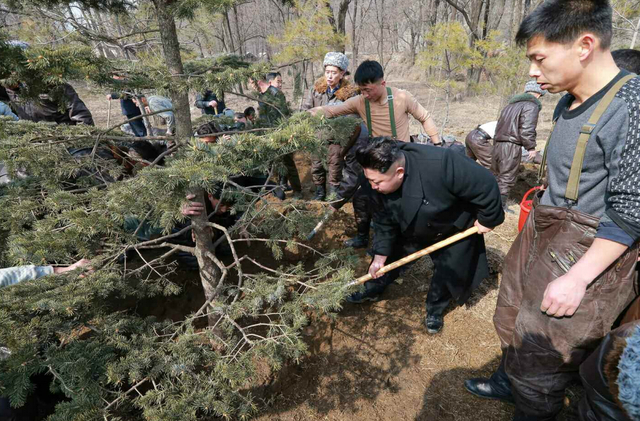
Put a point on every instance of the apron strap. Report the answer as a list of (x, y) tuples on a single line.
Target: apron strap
[(571, 193), (392, 119), (391, 115), (367, 109)]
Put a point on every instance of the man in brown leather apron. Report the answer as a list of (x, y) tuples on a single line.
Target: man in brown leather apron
[(571, 271)]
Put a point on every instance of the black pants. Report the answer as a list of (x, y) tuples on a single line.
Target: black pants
[(438, 297), (137, 126)]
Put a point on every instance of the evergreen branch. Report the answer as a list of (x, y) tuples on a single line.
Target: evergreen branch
[(134, 387), (267, 240), (233, 251), (57, 376)]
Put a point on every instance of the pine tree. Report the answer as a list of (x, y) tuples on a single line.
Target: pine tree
[(109, 362)]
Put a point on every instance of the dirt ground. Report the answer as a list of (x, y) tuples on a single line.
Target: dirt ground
[(376, 361)]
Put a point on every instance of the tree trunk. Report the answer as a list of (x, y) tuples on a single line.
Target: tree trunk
[(354, 36), (635, 35), (228, 26), (209, 272), (342, 17), (240, 42)]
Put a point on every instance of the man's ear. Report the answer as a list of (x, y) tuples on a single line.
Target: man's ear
[(586, 44), (400, 172), (383, 83)]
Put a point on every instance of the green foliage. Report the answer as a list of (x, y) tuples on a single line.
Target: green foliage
[(94, 347), (310, 36), (449, 53)]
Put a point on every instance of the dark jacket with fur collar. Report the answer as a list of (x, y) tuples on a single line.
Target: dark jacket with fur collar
[(518, 121), (318, 95)]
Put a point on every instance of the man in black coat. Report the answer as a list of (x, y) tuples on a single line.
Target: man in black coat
[(424, 194)]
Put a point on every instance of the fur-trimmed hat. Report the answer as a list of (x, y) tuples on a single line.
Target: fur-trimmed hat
[(334, 58), (533, 86), (629, 377)]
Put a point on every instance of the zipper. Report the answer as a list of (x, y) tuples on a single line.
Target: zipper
[(554, 258)]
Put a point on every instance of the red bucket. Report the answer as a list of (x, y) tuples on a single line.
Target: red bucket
[(525, 207)]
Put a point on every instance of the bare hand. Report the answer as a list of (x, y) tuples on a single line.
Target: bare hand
[(532, 155), (213, 104), (79, 264), (109, 97), (563, 296), (192, 208), (376, 265), (481, 228)]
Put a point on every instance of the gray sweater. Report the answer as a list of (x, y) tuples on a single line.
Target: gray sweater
[(610, 179)]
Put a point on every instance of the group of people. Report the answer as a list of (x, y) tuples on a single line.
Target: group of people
[(570, 277)]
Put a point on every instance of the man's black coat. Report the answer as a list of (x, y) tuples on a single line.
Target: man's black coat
[(443, 193)]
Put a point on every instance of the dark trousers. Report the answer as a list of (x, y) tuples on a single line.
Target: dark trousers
[(362, 211), (505, 164), (137, 126), (335, 164), (292, 173), (438, 297)]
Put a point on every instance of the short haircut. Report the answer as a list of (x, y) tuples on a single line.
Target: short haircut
[(249, 111), (239, 115), (369, 71), (209, 128), (563, 21), (379, 154), (627, 59), (272, 75)]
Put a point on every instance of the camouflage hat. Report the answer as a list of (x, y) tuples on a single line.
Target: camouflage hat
[(533, 86), (334, 58)]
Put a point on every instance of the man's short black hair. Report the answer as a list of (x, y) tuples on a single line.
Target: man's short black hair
[(272, 75), (563, 21), (210, 128), (369, 71), (249, 111), (627, 59), (379, 154)]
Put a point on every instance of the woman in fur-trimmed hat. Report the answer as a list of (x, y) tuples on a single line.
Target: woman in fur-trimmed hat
[(332, 88)]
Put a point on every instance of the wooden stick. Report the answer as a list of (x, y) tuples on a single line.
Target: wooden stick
[(418, 254), (109, 114)]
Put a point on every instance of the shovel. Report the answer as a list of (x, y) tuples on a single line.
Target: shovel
[(418, 254)]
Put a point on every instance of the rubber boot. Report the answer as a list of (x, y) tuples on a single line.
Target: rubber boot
[(506, 209), (320, 193)]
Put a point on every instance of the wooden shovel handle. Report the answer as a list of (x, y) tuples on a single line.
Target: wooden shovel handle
[(418, 254)]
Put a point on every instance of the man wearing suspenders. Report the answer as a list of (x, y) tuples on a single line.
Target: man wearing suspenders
[(386, 113), (571, 271)]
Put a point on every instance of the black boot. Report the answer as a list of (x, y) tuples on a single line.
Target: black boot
[(503, 197), (497, 386), (360, 241), (321, 193)]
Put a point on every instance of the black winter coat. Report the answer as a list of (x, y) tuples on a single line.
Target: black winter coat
[(443, 193), (48, 109), (203, 100)]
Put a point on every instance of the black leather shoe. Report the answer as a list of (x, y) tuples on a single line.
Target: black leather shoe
[(434, 324), (485, 388), (360, 241)]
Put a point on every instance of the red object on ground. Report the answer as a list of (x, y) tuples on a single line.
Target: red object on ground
[(525, 207)]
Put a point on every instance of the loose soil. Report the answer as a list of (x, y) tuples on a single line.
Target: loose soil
[(376, 361)]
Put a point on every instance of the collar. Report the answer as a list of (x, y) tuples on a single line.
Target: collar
[(332, 92)]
